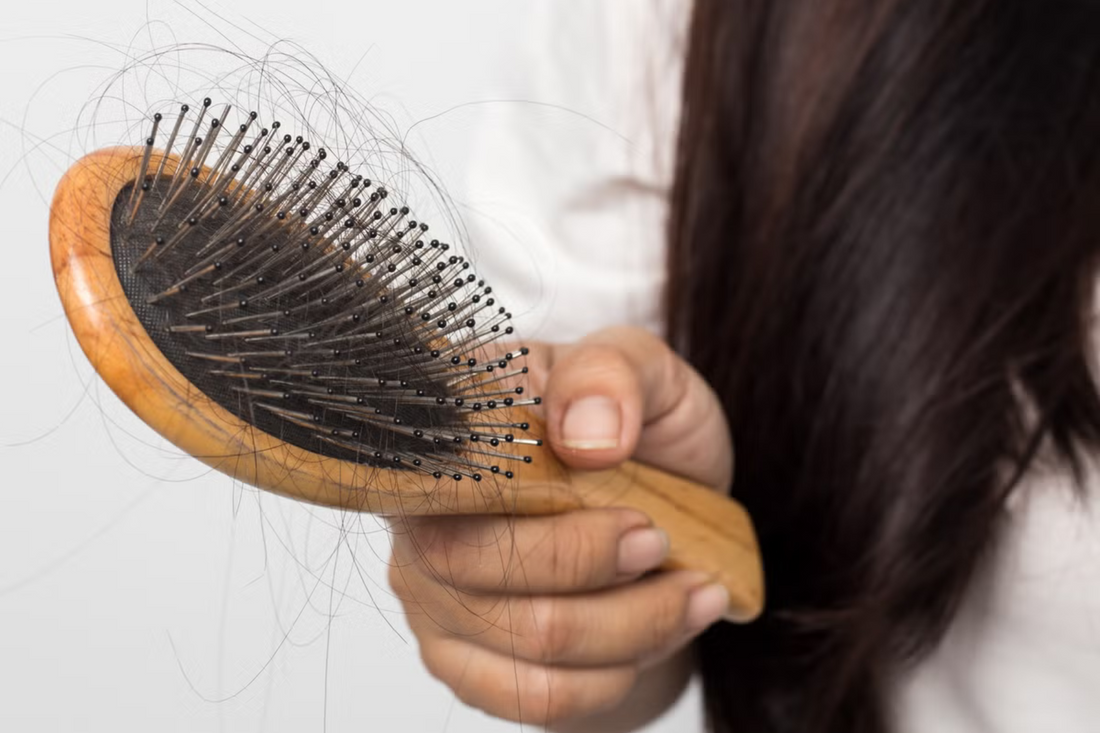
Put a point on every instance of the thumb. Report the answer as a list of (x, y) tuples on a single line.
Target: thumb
[(623, 393)]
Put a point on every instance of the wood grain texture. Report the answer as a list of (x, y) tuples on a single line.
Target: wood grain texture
[(708, 532)]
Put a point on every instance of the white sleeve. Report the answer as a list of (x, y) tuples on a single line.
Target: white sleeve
[(567, 188)]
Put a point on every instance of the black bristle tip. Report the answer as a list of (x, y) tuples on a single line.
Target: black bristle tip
[(341, 325)]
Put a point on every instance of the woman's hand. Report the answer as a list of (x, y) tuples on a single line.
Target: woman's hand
[(551, 619)]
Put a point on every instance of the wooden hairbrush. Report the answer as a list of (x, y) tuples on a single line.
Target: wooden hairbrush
[(273, 315)]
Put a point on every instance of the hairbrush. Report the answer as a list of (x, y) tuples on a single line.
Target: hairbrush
[(275, 315)]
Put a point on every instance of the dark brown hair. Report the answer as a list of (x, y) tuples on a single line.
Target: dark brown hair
[(883, 247)]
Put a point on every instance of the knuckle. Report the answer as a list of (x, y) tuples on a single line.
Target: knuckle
[(554, 636), (441, 550), (497, 693), (395, 577), (601, 359), (588, 363), (564, 698), (480, 695), (620, 335), (428, 542), (431, 656), (623, 333), (574, 558), (665, 620), (546, 696), (562, 707), (674, 374)]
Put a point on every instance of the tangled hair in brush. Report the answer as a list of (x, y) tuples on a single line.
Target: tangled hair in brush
[(281, 81), (293, 292), (885, 230), (297, 293)]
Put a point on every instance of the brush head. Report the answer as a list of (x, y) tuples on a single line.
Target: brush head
[(290, 294)]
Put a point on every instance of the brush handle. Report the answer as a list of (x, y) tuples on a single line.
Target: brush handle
[(708, 532)]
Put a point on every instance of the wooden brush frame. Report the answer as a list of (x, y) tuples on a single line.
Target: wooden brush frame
[(708, 532)]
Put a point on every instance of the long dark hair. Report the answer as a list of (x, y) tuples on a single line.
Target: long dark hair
[(883, 252)]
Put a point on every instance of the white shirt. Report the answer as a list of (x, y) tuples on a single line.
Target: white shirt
[(569, 197)]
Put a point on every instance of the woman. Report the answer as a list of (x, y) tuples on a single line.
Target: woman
[(880, 271)]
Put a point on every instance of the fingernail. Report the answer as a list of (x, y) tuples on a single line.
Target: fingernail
[(592, 423), (641, 550), (706, 606)]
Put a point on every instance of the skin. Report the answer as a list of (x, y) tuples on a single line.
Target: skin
[(558, 621)]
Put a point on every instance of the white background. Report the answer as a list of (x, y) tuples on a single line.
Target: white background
[(138, 591)]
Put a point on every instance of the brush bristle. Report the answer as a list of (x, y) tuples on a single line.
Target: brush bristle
[(292, 292)]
